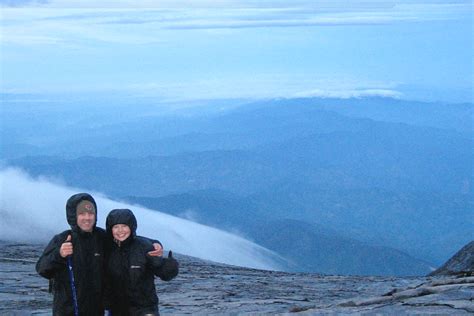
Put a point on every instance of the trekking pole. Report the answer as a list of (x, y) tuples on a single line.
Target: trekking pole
[(73, 286)]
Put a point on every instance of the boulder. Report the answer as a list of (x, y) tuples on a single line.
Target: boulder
[(462, 263)]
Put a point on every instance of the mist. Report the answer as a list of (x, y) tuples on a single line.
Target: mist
[(32, 210)]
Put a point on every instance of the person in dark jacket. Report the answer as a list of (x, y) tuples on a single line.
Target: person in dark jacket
[(85, 243), (130, 270)]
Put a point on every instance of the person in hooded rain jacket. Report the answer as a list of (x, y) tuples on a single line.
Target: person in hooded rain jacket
[(85, 243), (130, 270)]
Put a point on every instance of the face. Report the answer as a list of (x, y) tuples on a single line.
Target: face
[(121, 232), (86, 221)]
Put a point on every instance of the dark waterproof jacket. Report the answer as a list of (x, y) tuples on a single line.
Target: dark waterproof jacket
[(130, 270), (88, 265)]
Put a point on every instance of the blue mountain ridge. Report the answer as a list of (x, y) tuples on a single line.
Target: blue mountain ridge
[(393, 181)]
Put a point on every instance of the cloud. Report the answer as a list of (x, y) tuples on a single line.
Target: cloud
[(21, 3), (272, 85), (94, 16), (346, 94), (33, 210), (322, 5)]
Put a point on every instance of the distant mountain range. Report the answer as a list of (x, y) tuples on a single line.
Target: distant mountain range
[(307, 247), (355, 186)]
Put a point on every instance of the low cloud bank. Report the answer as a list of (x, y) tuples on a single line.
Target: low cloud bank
[(33, 210)]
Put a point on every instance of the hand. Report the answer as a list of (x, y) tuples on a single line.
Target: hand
[(66, 248), (158, 252)]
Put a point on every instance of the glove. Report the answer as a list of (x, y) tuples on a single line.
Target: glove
[(170, 268)]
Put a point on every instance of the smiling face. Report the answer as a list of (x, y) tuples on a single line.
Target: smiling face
[(121, 232), (86, 221)]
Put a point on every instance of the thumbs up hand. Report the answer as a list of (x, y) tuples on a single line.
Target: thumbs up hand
[(66, 247), (170, 268)]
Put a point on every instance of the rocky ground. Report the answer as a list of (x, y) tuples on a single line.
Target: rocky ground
[(208, 288)]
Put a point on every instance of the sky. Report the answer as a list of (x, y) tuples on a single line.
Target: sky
[(215, 49)]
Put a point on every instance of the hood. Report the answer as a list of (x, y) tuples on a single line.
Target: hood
[(71, 206), (121, 216)]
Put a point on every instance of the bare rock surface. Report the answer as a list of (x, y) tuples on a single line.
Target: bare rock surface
[(462, 263), (208, 288), (443, 296)]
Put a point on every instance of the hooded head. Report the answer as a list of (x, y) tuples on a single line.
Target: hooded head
[(81, 202), (121, 216)]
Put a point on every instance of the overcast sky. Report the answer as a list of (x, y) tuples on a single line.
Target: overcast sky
[(200, 49)]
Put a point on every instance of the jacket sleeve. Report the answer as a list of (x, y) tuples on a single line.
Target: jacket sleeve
[(51, 261), (149, 240), (164, 268)]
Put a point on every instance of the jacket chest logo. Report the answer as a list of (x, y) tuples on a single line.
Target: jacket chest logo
[(135, 267)]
